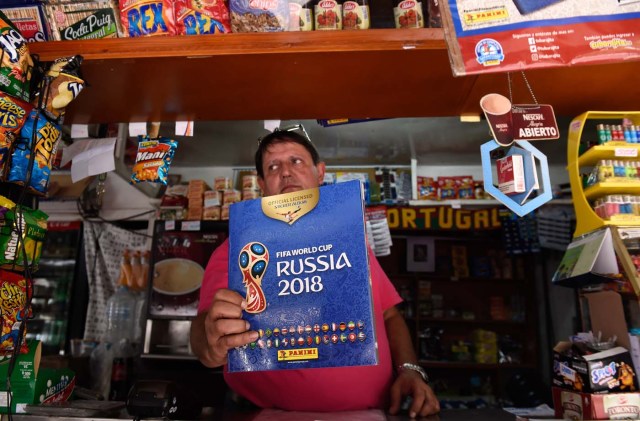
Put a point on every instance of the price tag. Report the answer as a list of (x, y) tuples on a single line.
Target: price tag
[(169, 225), (626, 152), (190, 225), (79, 131)]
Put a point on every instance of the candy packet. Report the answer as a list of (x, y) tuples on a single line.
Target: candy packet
[(153, 159)]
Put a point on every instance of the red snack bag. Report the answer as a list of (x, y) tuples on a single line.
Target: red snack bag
[(147, 17), (195, 17), (13, 298)]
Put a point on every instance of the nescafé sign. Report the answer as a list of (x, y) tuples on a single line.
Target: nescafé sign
[(443, 218)]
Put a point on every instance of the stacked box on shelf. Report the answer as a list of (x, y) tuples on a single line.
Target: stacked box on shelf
[(195, 195)]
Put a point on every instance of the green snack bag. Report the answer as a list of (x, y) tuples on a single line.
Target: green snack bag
[(16, 63), (33, 228)]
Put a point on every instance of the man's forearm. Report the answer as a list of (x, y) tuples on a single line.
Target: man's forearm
[(399, 338)]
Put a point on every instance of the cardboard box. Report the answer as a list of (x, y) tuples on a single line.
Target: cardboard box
[(602, 372), (589, 406), (33, 385)]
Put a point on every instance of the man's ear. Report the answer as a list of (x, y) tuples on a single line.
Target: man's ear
[(261, 183), (321, 167)]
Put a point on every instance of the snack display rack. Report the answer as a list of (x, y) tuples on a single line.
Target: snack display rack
[(587, 219)]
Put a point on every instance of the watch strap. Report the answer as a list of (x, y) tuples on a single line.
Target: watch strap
[(416, 368)]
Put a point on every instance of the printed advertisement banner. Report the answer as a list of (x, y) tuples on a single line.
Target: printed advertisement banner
[(510, 35)]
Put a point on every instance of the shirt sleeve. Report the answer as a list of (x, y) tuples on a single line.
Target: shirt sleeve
[(216, 276), (389, 297)]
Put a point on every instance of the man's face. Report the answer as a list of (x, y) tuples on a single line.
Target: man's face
[(288, 167)]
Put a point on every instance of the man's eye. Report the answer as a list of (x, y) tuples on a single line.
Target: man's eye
[(296, 160), (273, 167)]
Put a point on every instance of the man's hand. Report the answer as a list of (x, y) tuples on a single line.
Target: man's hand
[(410, 383), (215, 332)]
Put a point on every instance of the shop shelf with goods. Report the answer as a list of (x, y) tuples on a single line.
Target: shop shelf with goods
[(583, 131), (162, 78), (473, 290)]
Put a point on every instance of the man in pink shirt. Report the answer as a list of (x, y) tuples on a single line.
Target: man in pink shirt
[(287, 161)]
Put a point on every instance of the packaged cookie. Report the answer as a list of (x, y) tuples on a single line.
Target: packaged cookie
[(13, 306), (29, 20), (47, 135), (83, 19), (16, 64), (141, 18), (195, 17), (259, 15)]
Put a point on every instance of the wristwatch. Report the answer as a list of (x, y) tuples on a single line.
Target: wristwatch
[(416, 368)]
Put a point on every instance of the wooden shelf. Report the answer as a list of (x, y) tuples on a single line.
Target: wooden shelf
[(357, 74)]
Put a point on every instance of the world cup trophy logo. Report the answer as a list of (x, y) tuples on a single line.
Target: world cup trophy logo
[(253, 261)]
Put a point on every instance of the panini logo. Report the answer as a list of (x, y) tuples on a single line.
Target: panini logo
[(485, 16), (298, 354)]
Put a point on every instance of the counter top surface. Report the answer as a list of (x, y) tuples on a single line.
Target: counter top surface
[(273, 415)]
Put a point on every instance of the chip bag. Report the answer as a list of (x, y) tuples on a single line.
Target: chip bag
[(61, 85), (147, 17), (46, 143), (22, 243), (196, 17), (16, 63), (13, 300), (13, 114), (153, 159)]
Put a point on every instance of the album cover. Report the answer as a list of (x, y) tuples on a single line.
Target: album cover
[(301, 261), (530, 6)]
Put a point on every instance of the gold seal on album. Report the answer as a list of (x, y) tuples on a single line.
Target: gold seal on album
[(290, 207)]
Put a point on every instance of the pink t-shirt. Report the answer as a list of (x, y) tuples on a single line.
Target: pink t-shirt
[(319, 389)]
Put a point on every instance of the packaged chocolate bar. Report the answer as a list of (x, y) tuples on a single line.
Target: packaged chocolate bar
[(29, 20), (83, 20)]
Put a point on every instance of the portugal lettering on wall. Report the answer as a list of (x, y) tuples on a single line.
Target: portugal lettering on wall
[(443, 218)]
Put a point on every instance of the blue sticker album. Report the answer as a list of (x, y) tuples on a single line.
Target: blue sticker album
[(300, 260)]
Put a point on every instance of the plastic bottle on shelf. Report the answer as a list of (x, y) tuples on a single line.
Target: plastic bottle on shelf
[(121, 329)]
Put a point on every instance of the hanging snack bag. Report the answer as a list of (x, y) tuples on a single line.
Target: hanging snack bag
[(13, 114), (47, 135), (16, 63), (259, 15), (147, 17), (83, 19), (22, 233), (153, 160), (13, 299), (195, 17), (61, 85)]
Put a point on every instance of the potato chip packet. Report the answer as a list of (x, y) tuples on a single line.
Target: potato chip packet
[(61, 85), (259, 16), (16, 63), (153, 159), (13, 299), (22, 243), (13, 114), (147, 17), (46, 144)]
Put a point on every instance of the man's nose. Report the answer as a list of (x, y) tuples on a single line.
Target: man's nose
[(286, 170)]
